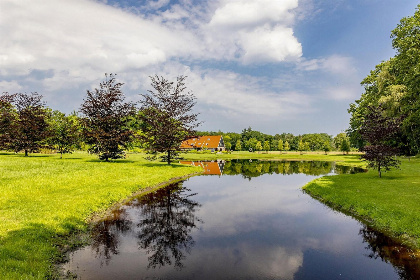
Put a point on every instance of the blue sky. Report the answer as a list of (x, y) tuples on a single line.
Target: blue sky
[(275, 65)]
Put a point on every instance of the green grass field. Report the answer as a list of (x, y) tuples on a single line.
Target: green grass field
[(44, 200), (391, 204)]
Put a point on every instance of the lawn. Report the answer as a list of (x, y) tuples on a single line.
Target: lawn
[(44, 200), (391, 204)]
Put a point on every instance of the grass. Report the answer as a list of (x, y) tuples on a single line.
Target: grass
[(44, 200), (391, 204)]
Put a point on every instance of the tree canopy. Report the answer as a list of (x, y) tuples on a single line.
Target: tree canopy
[(166, 116), (395, 86)]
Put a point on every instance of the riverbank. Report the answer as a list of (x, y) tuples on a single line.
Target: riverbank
[(45, 202), (390, 204)]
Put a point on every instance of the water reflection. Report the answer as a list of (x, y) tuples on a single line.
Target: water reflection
[(249, 168), (404, 259), (161, 221)]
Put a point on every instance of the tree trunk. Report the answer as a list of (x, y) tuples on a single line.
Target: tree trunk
[(379, 171), (26, 153), (169, 157)]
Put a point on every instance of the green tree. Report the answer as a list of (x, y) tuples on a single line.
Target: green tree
[(105, 120), (7, 118), (280, 145), (301, 146), (65, 133), (227, 140), (286, 146), (266, 146), (166, 116), (326, 147), (395, 86), (258, 146), (238, 146), (345, 146)]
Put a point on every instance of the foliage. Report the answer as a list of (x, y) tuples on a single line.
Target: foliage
[(166, 118), (280, 146), (345, 146), (378, 129), (286, 146), (64, 132), (106, 119), (7, 117), (395, 85), (29, 127), (266, 146), (258, 146), (238, 146)]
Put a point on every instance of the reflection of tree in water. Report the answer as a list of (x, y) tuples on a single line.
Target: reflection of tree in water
[(166, 220), (254, 168), (105, 234), (404, 259), (168, 217)]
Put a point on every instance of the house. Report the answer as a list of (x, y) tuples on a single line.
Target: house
[(213, 143)]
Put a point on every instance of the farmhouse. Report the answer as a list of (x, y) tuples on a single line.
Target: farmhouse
[(213, 143), (209, 167)]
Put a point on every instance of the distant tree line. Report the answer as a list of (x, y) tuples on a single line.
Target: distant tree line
[(252, 140)]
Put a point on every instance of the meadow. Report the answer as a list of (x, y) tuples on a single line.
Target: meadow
[(390, 204)]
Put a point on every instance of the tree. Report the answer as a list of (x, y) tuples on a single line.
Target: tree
[(105, 119), (166, 118), (266, 146), (227, 139), (395, 86), (345, 146), (378, 129), (64, 132), (280, 145), (286, 146), (326, 147), (238, 146), (30, 128), (301, 146), (7, 118), (258, 146)]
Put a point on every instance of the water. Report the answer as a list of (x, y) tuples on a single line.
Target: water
[(252, 222)]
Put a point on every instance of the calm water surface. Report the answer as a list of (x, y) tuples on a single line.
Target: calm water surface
[(252, 222)]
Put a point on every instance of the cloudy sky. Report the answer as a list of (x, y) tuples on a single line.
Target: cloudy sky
[(275, 65)]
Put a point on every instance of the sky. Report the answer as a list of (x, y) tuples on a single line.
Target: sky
[(276, 66)]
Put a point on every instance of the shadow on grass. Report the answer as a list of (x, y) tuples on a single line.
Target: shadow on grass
[(34, 251)]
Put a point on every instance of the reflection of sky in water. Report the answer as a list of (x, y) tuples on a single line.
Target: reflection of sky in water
[(265, 228)]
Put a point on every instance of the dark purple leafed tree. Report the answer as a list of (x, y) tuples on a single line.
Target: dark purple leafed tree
[(106, 118), (7, 117), (29, 127), (378, 130), (166, 117)]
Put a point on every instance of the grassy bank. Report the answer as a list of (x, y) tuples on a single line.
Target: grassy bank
[(391, 203), (44, 200)]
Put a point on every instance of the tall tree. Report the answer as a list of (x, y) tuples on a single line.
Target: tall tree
[(238, 146), (395, 85), (105, 120), (166, 116), (378, 129), (30, 128)]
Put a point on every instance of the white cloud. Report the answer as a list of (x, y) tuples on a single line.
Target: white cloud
[(10, 86)]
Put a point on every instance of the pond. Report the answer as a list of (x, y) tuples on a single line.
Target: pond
[(243, 220)]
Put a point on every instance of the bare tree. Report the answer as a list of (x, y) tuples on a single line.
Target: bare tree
[(166, 116)]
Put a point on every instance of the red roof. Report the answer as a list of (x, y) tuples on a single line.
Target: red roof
[(203, 142)]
